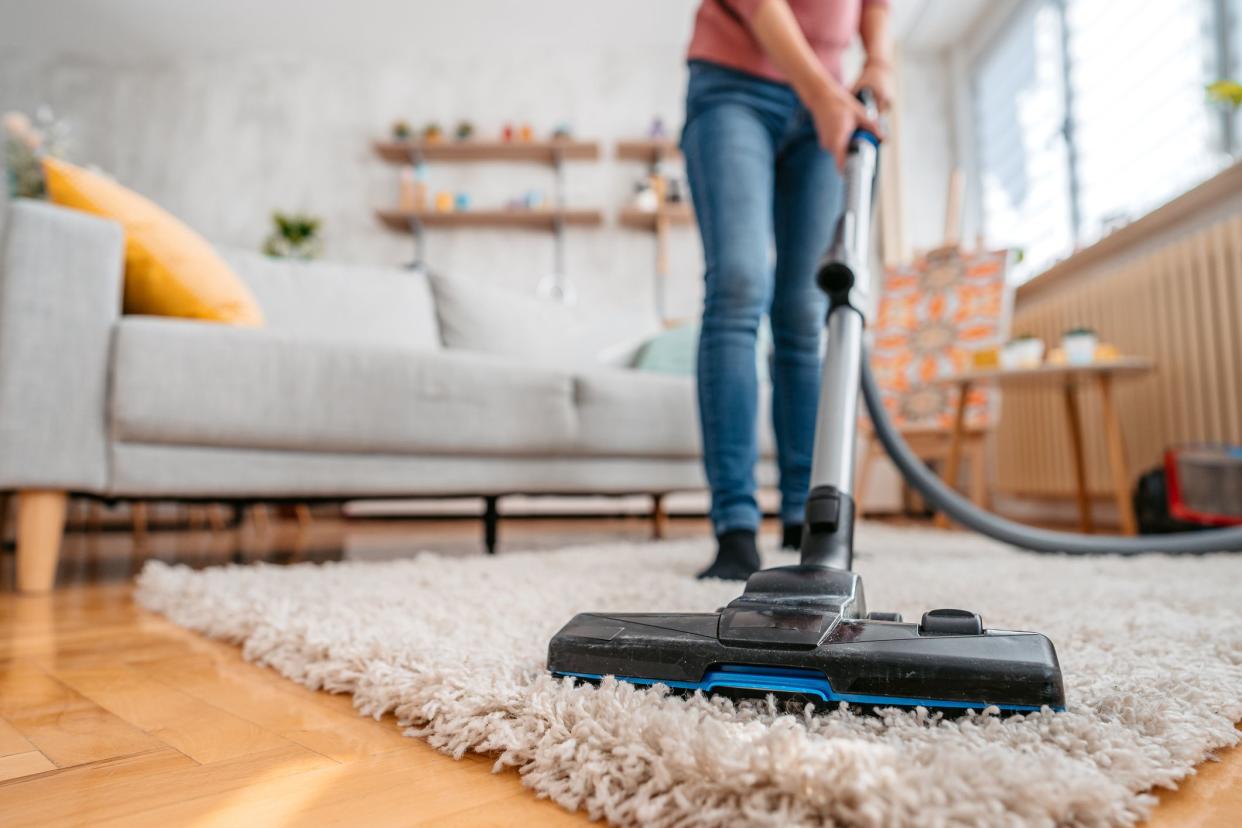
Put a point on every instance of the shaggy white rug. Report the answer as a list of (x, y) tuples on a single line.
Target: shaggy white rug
[(1151, 649)]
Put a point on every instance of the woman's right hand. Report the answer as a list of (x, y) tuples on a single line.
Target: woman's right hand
[(837, 114)]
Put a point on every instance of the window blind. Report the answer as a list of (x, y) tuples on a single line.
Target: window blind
[(1089, 114), (1023, 157)]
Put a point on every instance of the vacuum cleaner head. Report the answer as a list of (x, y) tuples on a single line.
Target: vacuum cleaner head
[(803, 631)]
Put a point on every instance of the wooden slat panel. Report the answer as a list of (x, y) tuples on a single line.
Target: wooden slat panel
[(1180, 305), (1227, 326)]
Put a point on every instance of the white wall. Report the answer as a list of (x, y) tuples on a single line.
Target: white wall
[(927, 146), (224, 111)]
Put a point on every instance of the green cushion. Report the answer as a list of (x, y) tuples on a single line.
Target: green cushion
[(674, 351)]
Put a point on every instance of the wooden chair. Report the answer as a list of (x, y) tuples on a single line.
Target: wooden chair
[(932, 446), (934, 314)]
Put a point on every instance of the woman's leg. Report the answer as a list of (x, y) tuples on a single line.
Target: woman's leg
[(729, 150), (808, 198)]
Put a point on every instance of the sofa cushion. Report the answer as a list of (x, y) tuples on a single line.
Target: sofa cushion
[(622, 413), (186, 383), (338, 302)]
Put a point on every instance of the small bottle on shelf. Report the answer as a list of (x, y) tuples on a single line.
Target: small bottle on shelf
[(406, 192), (420, 187)]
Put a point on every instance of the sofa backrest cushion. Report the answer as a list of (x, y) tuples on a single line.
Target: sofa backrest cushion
[(339, 302), (484, 318)]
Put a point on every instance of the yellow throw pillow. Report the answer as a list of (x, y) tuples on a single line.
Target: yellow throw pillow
[(169, 269)]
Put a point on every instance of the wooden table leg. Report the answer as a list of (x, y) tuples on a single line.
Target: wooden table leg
[(955, 447), (1072, 417), (863, 476), (138, 521), (1117, 456)]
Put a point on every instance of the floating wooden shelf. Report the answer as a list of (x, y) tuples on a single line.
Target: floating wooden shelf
[(541, 152), (677, 214), (650, 150), (518, 219)]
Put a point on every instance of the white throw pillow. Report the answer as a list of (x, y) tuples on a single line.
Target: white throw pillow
[(483, 318)]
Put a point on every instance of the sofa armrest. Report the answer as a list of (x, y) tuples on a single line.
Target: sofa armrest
[(60, 297)]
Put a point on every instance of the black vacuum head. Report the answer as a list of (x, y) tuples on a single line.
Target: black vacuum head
[(803, 631)]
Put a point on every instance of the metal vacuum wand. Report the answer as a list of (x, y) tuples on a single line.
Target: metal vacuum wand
[(845, 275)]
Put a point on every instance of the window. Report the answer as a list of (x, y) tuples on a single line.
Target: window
[(1019, 116), (1090, 113)]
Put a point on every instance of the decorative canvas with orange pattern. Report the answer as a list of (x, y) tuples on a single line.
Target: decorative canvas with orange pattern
[(934, 314)]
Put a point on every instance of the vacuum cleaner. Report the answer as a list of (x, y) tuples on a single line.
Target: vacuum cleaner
[(804, 630)]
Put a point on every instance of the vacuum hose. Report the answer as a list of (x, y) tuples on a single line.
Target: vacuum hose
[(944, 498)]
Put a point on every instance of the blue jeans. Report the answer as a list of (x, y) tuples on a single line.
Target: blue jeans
[(759, 179)]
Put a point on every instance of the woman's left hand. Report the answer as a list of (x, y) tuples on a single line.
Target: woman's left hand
[(877, 76)]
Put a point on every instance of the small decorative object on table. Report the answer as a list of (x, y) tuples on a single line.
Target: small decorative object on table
[(295, 236), (401, 130), (1079, 345), (657, 131), (563, 132), (1023, 351), (444, 202), (985, 358), (26, 142), (506, 132), (432, 133), (526, 133), (461, 202), (465, 131)]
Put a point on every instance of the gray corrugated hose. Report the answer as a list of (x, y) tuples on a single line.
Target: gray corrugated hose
[(968, 514)]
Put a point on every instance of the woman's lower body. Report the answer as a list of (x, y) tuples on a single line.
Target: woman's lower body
[(760, 182)]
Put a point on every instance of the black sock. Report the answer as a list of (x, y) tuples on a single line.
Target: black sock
[(791, 536), (737, 556)]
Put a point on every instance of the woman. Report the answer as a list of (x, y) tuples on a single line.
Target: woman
[(767, 123)]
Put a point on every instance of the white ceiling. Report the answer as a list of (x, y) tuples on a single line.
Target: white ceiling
[(936, 25), (368, 26)]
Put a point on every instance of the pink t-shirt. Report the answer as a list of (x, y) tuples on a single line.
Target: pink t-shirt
[(722, 33)]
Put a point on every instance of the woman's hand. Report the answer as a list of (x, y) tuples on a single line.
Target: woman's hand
[(877, 75), (835, 111), (837, 114)]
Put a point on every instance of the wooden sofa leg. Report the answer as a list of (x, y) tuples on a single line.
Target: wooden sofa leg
[(659, 517), (40, 525)]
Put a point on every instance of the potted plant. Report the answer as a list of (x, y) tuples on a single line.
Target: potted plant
[(294, 236), (402, 131), (26, 141), (1079, 345), (1227, 94), (1023, 351)]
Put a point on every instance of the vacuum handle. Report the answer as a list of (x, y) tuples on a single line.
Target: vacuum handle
[(867, 98)]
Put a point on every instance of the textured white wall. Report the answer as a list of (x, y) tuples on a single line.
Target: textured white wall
[(225, 110), (927, 152)]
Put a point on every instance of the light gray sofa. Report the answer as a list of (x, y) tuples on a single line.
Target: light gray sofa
[(357, 387)]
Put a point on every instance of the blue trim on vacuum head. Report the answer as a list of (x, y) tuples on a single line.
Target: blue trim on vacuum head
[(803, 682)]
